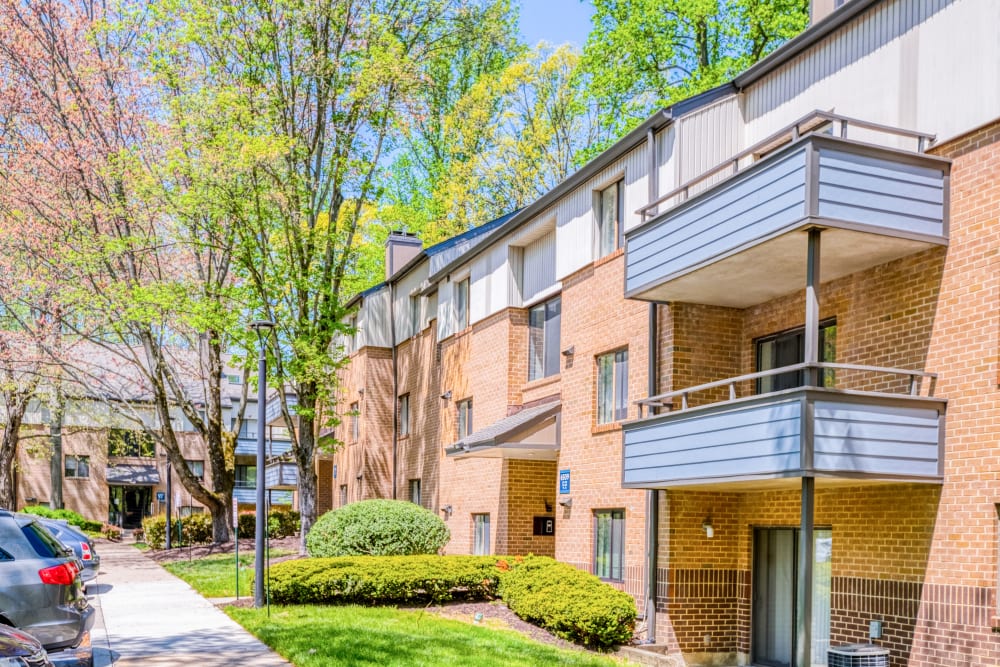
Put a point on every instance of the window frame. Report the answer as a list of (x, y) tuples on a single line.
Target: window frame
[(464, 418), (355, 412), (618, 361), (605, 244), (77, 459), (343, 495), (135, 443), (462, 298), (545, 329), (827, 347), (481, 534), (413, 490), (414, 314), (403, 412), (615, 545), (189, 463)]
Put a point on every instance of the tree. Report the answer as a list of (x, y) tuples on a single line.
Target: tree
[(87, 174), (330, 84), (645, 54)]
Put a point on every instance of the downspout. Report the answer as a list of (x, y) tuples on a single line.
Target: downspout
[(395, 384), (652, 496)]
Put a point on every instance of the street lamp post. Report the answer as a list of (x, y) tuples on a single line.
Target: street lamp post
[(260, 523)]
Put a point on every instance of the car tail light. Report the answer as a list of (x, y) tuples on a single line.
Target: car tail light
[(59, 575), (85, 551)]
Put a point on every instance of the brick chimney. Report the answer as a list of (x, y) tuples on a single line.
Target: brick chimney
[(400, 248)]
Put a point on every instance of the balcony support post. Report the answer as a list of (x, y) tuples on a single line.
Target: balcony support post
[(804, 594), (812, 352)]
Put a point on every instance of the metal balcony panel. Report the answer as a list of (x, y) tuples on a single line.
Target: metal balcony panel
[(821, 432), (248, 447), (246, 496), (736, 245)]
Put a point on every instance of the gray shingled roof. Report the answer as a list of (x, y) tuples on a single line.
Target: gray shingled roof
[(133, 475), (489, 436)]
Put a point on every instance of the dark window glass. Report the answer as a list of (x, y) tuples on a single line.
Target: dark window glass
[(787, 349), (543, 339), (609, 544)]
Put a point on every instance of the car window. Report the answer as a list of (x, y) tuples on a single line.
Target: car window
[(41, 541), (4, 556)]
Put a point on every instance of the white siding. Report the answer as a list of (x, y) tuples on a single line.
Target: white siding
[(709, 137), (403, 288), (373, 320), (539, 266), (928, 65)]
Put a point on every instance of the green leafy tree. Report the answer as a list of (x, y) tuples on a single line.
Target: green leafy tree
[(645, 54)]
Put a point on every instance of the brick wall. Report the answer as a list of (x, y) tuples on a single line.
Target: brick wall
[(419, 453)]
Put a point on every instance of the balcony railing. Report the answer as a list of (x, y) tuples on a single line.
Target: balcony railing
[(863, 433), (915, 383), (822, 122)]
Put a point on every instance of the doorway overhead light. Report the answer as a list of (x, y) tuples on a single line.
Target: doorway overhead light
[(707, 527)]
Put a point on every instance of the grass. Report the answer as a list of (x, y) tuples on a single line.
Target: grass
[(214, 576), (317, 636)]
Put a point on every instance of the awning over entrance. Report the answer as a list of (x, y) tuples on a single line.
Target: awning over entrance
[(532, 433), (133, 475)]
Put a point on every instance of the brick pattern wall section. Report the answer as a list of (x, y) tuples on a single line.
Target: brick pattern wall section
[(419, 453), (529, 486)]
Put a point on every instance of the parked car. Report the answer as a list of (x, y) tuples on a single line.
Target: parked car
[(79, 542), (19, 649), (40, 587)]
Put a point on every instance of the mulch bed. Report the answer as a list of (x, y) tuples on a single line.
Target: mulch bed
[(246, 547)]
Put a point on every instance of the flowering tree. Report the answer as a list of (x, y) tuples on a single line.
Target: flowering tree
[(96, 183)]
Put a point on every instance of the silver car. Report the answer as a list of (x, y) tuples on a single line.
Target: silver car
[(40, 587), (79, 542)]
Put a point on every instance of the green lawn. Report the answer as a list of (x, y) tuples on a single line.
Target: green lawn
[(215, 576), (319, 636)]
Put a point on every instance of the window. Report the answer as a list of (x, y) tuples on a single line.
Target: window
[(404, 415), (77, 466), (610, 207), (465, 418), (612, 387), (249, 430), (415, 491), (343, 495), (352, 334), (130, 443), (355, 421), (543, 339), (245, 477), (481, 534), (609, 544), (462, 304), (197, 469), (414, 314), (788, 348)]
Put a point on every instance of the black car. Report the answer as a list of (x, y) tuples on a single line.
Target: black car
[(19, 649)]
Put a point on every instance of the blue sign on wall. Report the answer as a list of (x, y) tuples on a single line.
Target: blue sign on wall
[(161, 496), (335, 471), (564, 481)]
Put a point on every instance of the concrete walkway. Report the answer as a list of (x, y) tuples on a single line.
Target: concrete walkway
[(147, 616)]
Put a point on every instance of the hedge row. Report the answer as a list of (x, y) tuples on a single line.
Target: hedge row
[(280, 523), (71, 517), (570, 603), (383, 579), (195, 529)]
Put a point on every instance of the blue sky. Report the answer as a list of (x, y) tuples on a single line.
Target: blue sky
[(556, 21)]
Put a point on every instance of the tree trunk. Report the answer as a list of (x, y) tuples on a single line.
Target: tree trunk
[(305, 451), (56, 467), (8, 452)]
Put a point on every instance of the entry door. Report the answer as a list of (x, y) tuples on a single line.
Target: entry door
[(775, 577)]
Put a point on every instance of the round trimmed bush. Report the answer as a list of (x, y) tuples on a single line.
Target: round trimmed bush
[(377, 528)]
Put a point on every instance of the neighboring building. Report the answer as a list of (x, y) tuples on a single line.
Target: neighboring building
[(112, 470), (755, 388)]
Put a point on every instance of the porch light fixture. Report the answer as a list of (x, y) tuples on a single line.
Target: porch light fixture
[(567, 502), (446, 395), (707, 527), (569, 351), (447, 509)]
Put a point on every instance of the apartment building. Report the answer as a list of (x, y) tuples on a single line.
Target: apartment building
[(744, 364), (112, 470)]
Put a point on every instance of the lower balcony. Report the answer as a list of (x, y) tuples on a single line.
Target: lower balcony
[(248, 496), (771, 439)]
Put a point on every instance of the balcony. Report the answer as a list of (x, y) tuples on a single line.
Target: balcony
[(246, 495), (248, 447), (281, 476), (737, 241), (772, 439)]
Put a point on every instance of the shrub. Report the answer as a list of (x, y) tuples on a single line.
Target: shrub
[(280, 523), (377, 528), (195, 529), (569, 602), (383, 579), (71, 517), (114, 533)]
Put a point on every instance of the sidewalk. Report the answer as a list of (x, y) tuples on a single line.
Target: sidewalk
[(147, 616)]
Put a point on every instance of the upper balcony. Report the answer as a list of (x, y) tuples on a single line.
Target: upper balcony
[(775, 438), (734, 242), (247, 446)]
